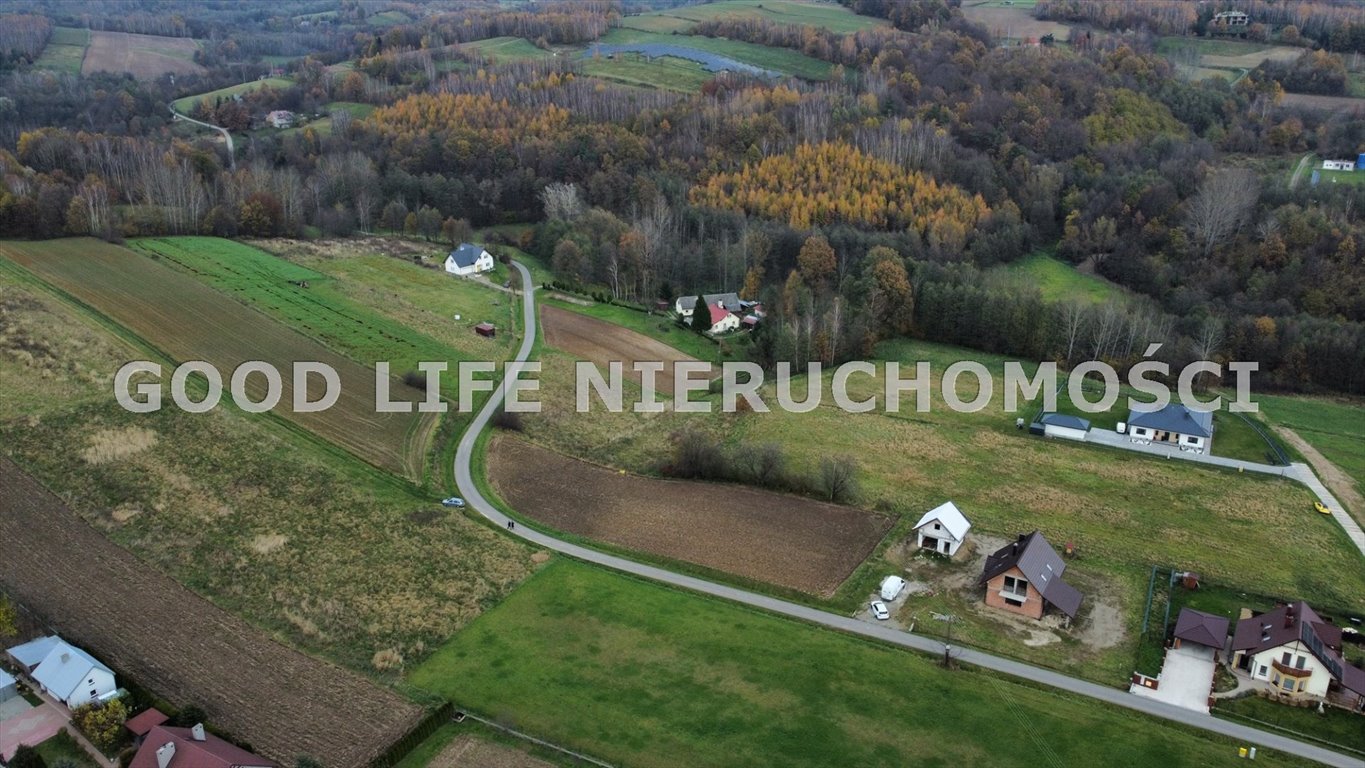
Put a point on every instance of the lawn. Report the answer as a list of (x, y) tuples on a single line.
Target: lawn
[(1336, 727), (1335, 428), (639, 674), (668, 73), (1213, 46), (505, 49), (835, 18), (1059, 281), (1339, 177), (65, 50), (186, 103), (777, 59), (322, 550), (64, 747)]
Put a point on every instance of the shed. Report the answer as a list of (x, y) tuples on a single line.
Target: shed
[(1201, 628), (942, 529), (9, 687), (143, 722), (1061, 425), (486, 329)]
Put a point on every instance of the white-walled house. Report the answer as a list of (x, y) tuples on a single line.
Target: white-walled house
[(1061, 425), (65, 671), (942, 529), (685, 305), (1338, 165), (722, 320), (1296, 652), (1173, 424), (469, 259)]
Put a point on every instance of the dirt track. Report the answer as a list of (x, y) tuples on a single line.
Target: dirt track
[(775, 538), (145, 57), (601, 342), (1338, 482), (177, 644)]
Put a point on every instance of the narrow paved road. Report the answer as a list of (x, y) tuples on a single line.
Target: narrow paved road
[(232, 156), (465, 480)]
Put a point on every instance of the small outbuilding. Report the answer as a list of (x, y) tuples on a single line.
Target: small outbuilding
[(486, 329), (1199, 628), (942, 529), (1060, 425), (9, 687), (143, 722)]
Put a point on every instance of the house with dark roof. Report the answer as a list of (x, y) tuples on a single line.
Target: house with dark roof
[(1203, 629), (1298, 653), (1025, 577), (1060, 425), (166, 747), (1175, 424), (468, 259), (730, 302)]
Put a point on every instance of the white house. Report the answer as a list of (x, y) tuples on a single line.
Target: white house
[(684, 305), (1338, 165), (469, 259), (943, 529), (722, 320), (1231, 19), (65, 671), (1296, 652), (280, 118), (1061, 425), (1173, 424)]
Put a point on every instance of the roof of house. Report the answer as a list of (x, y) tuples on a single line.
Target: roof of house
[(1201, 628), (1034, 557), (6, 679), (212, 752), (730, 300), (1174, 418), (145, 721), (466, 255), (34, 651), (718, 313), (65, 667), (1298, 621), (949, 516), (1064, 420)]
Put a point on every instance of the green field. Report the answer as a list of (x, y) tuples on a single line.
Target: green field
[(505, 49), (323, 125), (1336, 727), (782, 60), (388, 18), (1339, 177), (186, 103), (1335, 428), (643, 675), (835, 18), (1060, 281), (668, 73), (1213, 46), (65, 50)]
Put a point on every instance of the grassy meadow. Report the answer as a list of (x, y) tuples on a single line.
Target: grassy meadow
[(835, 18), (640, 674), (1335, 428), (668, 73), (506, 49), (186, 103), (782, 60), (65, 50), (1059, 281)]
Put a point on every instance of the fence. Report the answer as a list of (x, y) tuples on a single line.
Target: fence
[(419, 733)]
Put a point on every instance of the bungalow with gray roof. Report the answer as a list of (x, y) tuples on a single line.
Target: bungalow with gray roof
[(1175, 424)]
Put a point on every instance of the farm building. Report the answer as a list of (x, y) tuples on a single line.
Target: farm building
[(1025, 577), (469, 259), (280, 118), (750, 322), (486, 329), (685, 304), (166, 747), (942, 529), (722, 320), (1174, 424), (65, 671), (1338, 165), (1060, 425), (1298, 653), (9, 687)]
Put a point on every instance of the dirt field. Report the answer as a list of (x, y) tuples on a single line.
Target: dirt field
[(1015, 23), (181, 646), (190, 321), (785, 540), (469, 752), (145, 57), (600, 342)]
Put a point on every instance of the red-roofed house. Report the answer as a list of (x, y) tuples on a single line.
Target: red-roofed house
[(166, 747), (722, 319), (143, 722)]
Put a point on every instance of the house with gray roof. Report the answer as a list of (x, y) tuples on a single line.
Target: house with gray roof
[(1025, 577), (469, 259), (1175, 424), (65, 671), (730, 301), (1060, 425)]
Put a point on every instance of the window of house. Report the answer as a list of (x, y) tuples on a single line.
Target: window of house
[(1285, 658), (1016, 586), (1262, 672), (1300, 661), (1288, 684)]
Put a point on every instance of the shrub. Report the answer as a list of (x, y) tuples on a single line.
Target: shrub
[(101, 723), (510, 421), (416, 380), (837, 479), (27, 757)]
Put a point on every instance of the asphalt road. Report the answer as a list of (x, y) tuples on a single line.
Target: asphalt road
[(465, 480)]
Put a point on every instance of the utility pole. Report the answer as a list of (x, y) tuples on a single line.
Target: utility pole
[(948, 619)]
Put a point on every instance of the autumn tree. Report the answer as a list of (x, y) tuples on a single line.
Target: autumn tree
[(816, 261), (1221, 206), (260, 215), (101, 723)]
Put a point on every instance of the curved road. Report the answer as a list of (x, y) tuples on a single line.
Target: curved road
[(465, 480), (232, 156)]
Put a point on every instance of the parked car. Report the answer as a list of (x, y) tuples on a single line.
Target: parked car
[(1319, 506), (453, 501), (891, 587), (879, 611)]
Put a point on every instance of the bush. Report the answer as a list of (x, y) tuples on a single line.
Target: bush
[(188, 717), (416, 380), (510, 421), (27, 757), (837, 480), (101, 723)]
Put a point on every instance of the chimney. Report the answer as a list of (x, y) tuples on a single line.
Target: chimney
[(66, 657), (165, 754), (197, 732)]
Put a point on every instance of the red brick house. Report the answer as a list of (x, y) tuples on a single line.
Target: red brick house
[(1025, 577)]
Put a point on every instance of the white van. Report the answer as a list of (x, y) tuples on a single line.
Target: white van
[(891, 587)]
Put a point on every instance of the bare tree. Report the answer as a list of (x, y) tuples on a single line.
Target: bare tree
[(562, 201), (838, 478), (1221, 206), (1074, 321)]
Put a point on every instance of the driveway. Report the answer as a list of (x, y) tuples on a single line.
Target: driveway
[(32, 728), (1186, 678)]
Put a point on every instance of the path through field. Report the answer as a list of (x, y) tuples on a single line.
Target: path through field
[(179, 645), (1341, 484)]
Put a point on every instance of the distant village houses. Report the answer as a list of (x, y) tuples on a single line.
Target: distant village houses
[(280, 118)]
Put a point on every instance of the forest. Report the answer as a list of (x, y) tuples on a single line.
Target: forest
[(880, 202)]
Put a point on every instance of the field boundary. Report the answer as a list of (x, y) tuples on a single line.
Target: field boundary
[(528, 737)]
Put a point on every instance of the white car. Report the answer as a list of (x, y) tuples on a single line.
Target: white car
[(891, 587), (879, 611)]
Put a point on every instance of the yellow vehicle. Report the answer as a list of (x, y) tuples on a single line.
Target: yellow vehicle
[(1319, 506)]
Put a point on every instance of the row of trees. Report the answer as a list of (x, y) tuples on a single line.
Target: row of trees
[(22, 38)]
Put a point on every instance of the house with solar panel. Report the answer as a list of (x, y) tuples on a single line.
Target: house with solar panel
[(1298, 653)]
